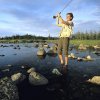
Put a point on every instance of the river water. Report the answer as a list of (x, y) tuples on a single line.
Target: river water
[(71, 85)]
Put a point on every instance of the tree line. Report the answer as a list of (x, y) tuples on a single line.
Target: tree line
[(87, 36), (78, 35)]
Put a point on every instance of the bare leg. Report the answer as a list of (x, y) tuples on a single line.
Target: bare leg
[(61, 58), (66, 60)]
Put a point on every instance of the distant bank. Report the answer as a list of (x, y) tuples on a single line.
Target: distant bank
[(75, 42)]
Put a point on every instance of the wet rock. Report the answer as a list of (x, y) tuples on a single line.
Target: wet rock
[(46, 45), (6, 70), (8, 90), (37, 79), (95, 80), (41, 52), (31, 70), (36, 45), (79, 59), (25, 67), (52, 51), (72, 55), (88, 58), (56, 71), (97, 52), (82, 47), (97, 47), (17, 78)]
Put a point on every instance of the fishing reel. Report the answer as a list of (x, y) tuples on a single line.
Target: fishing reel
[(54, 17)]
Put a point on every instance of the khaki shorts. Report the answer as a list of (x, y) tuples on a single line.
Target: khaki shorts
[(63, 45)]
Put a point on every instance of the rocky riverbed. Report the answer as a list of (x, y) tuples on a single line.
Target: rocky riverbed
[(21, 69)]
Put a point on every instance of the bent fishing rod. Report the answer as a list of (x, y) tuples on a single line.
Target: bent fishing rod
[(66, 5)]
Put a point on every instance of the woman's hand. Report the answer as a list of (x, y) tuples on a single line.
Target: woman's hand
[(58, 15)]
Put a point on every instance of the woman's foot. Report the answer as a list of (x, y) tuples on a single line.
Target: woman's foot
[(65, 66)]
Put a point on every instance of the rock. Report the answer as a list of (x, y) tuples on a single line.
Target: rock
[(52, 51), (37, 79), (97, 52), (31, 70), (56, 71), (97, 47), (79, 59), (6, 70), (25, 67), (41, 52), (19, 77), (8, 90), (82, 47), (36, 45), (72, 56), (7, 67), (46, 45), (88, 58), (95, 80)]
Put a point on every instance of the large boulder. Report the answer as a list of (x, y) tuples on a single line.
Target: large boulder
[(8, 90), (95, 80), (17, 78), (41, 52), (37, 79)]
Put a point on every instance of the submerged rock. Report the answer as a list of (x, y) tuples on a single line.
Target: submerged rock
[(97, 52), (95, 80), (97, 47), (41, 52), (5, 68), (37, 79), (8, 90), (56, 71), (19, 77)]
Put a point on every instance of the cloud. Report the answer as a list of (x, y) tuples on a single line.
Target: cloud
[(35, 16), (91, 25)]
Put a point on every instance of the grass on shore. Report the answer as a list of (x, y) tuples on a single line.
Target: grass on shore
[(75, 42), (78, 42)]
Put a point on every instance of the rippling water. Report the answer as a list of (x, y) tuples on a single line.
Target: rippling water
[(71, 86)]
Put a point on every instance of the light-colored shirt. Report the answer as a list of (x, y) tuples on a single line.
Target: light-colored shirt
[(67, 30)]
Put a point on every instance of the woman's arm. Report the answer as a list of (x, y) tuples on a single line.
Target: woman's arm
[(59, 20), (58, 23)]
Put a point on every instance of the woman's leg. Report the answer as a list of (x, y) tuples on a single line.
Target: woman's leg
[(65, 48), (60, 45)]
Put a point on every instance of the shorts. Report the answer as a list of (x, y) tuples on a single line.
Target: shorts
[(63, 45)]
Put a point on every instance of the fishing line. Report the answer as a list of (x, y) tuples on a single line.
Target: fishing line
[(66, 5)]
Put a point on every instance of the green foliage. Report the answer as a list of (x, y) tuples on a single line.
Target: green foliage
[(87, 36)]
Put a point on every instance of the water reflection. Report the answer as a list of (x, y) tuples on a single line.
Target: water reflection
[(41, 57)]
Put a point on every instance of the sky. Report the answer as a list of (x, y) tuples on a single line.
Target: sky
[(35, 17)]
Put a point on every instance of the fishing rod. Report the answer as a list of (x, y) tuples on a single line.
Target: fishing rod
[(66, 5)]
